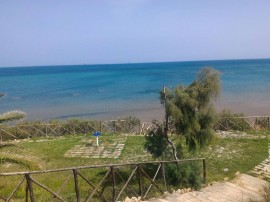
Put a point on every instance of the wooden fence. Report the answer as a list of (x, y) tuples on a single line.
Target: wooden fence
[(118, 126), (243, 123), (116, 182), (58, 129)]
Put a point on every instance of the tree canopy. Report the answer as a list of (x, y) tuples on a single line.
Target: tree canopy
[(189, 111)]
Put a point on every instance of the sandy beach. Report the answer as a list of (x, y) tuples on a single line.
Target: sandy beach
[(246, 107), (145, 111)]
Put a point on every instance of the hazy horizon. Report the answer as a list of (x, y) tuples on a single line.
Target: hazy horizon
[(81, 64), (42, 33)]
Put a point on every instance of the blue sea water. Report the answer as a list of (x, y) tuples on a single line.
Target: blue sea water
[(118, 90)]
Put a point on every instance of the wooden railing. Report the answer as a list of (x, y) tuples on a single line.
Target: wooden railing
[(30, 130), (243, 123), (117, 182)]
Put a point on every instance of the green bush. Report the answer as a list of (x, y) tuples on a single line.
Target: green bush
[(155, 143), (187, 174)]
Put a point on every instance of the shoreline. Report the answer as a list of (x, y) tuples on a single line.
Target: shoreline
[(144, 111)]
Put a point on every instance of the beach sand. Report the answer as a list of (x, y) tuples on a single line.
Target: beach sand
[(145, 111), (246, 107)]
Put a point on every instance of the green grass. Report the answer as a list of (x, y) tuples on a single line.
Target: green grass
[(50, 154), (259, 133), (234, 154)]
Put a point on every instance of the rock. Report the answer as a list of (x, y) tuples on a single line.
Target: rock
[(167, 193), (127, 199), (237, 173), (225, 178), (134, 199), (225, 170), (178, 191)]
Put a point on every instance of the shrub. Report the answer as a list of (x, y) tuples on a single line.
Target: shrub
[(182, 175), (155, 143)]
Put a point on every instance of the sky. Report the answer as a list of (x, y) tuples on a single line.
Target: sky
[(65, 32)]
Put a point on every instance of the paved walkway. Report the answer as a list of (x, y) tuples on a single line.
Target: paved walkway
[(87, 148), (243, 188), (263, 169)]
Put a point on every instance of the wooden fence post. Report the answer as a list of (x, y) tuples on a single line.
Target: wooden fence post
[(1, 135), (26, 192), (114, 123), (204, 171), (46, 130), (256, 122), (76, 184), (16, 132), (29, 188), (100, 126), (139, 174), (164, 176), (113, 183), (73, 127), (58, 129), (140, 126)]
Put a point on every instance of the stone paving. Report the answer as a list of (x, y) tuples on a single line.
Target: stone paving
[(263, 169), (87, 148), (242, 188), (238, 134)]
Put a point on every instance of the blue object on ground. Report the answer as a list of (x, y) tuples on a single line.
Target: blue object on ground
[(96, 134)]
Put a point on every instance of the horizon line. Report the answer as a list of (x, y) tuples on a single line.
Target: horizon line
[(123, 63)]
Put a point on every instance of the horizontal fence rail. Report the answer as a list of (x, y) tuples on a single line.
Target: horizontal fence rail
[(116, 181)]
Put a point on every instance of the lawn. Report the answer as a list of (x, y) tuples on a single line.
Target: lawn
[(49, 153), (224, 157)]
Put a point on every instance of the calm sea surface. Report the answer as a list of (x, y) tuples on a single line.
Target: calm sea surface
[(119, 90)]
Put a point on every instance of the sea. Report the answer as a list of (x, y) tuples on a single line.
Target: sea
[(115, 91)]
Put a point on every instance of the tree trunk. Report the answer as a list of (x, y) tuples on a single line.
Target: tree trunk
[(166, 128), (172, 145)]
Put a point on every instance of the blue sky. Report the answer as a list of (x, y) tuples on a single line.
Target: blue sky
[(58, 32)]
